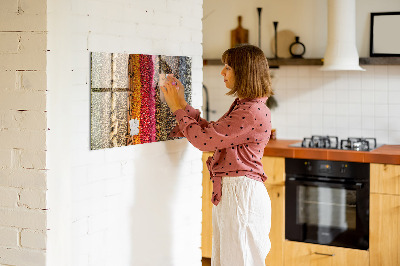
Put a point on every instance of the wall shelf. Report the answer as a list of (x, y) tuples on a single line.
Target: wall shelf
[(380, 61), (274, 63)]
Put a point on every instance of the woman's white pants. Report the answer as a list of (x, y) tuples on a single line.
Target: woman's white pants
[(241, 223)]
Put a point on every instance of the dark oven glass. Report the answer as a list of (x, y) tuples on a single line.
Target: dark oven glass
[(326, 204)]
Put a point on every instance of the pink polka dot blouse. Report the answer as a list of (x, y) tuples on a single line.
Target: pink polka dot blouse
[(238, 139)]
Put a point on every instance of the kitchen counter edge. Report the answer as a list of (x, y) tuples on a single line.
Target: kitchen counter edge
[(386, 154)]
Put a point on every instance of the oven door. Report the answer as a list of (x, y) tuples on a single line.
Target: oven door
[(327, 213)]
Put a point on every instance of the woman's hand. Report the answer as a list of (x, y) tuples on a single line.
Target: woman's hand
[(174, 94), (181, 91)]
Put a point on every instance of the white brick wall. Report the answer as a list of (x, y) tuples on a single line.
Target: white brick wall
[(22, 132), (136, 205)]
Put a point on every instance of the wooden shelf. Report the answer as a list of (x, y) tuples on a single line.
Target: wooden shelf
[(274, 63), (294, 62), (380, 61)]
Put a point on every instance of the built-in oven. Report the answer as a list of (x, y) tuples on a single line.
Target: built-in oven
[(327, 202)]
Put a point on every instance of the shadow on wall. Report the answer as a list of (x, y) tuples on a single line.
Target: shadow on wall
[(155, 195)]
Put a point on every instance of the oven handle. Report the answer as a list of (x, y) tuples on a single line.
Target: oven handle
[(357, 185), (324, 254)]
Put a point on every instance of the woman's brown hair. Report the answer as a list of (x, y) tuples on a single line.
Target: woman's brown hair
[(250, 66)]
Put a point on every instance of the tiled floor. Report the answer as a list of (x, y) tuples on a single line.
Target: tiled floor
[(206, 261)]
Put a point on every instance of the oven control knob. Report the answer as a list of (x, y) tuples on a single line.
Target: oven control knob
[(343, 168), (308, 166)]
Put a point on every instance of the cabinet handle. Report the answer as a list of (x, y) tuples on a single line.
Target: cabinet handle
[(324, 254)]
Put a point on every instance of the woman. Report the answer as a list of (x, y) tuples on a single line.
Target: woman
[(242, 211)]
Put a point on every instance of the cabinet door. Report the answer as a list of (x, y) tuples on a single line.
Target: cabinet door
[(274, 168), (277, 233), (385, 178), (206, 226), (304, 254), (384, 230)]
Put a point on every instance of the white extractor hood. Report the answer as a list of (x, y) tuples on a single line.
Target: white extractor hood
[(341, 51)]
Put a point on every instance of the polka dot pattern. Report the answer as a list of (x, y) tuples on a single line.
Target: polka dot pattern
[(238, 139)]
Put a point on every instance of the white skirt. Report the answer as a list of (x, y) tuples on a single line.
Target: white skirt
[(241, 223)]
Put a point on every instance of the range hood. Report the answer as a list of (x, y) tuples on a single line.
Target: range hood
[(341, 51)]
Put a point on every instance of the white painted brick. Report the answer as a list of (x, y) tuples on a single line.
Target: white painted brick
[(23, 100), (33, 159), (15, 158), (23, 139), (177, 7), (30, 80), (79, 175), (33, 239), (127, 168), (197, 76), (33, 199), (98, 222), (169, 20), (32, 43), (33, 120), (153, 32), (8, 237), (9, 42), (114, 186), (80, 227), (196, 10), (8, 197), (23, 22), (23, 178), (5, 158), (7, 80), (8, 6), (189, 48), (197, 63), (97, 173), (17, 256), (191, 23), (31, 61), (20, 217), (141, 45), (196, 37), (197, 166), (36, 7)]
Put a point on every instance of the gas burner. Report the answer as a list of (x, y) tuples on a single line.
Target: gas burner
[(327, 142), (358, 144), (332, 142)]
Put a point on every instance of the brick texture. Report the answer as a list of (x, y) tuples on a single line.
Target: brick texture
[(33, 239), (23, 126)]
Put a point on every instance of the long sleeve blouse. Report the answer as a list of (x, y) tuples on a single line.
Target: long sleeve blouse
[(238, 139)]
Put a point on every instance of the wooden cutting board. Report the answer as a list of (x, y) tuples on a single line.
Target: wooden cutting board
[(239, 35)]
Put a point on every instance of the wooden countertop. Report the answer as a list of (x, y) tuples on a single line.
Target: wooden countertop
[(389, 154)]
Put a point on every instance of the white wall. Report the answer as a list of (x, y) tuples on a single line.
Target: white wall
[(306, 19), (311, 102), (23, 133), (343, 104), (136, 205)]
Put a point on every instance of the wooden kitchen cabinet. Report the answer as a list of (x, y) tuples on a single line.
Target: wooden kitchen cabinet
[(274, 168), (277, 233), (305, 254), (385, 178), (384, 236), (385, 215), (206, 225)]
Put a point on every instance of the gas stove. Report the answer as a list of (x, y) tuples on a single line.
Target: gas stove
[(332, 142)]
